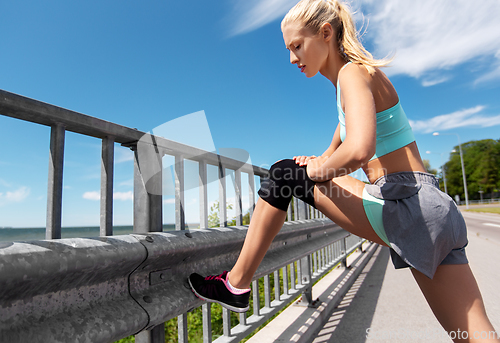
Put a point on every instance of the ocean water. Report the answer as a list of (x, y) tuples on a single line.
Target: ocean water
[(38, 233)]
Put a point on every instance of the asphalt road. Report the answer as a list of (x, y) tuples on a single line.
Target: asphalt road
[(389, 304), (483, 225)]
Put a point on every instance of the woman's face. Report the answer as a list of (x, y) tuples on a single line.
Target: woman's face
[(309, 51)]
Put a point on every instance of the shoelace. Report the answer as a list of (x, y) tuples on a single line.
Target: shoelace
[(214, 277), (211, 289)]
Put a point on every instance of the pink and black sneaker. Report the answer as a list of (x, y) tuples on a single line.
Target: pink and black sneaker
[(214, 288)]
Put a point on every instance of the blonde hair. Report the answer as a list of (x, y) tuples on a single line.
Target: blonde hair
[(314, 13)]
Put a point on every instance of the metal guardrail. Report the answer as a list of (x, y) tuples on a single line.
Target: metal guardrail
[(484, 202), (106, 288)]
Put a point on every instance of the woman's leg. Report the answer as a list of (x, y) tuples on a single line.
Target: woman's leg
[(339, 199), (456, 301), (266, 222)]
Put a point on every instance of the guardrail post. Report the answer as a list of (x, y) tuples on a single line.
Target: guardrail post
[(285, 280), (343, 251), (182, 329), (222, 195), (154, 335), (107, 166), (180, 222), (255, 295), (147, 188), (267, 291), (237, 192), (203, 195), (226, 322), (289, 212), (306, 277), (251, 193), (148, 216), (55, 184), (302, 210), (207, 322), (277, 290), (243, 318)]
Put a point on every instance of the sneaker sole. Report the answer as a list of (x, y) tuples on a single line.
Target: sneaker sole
[(229, 307)]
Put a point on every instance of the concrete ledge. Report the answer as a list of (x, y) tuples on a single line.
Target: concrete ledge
[(299, 324)]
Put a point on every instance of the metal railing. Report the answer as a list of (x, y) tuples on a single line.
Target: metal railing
[(484, 202), (103, 289)]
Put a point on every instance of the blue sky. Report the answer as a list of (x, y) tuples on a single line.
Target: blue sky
[(143, 64)]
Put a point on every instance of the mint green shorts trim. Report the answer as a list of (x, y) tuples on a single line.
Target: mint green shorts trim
[(373, 209)]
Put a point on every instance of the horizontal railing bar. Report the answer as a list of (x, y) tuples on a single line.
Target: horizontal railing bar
[(169, 147), (210, 251), (66, 290), (171, 254), (20, 107)]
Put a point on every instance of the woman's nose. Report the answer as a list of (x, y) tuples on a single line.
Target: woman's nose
[(293, 58)]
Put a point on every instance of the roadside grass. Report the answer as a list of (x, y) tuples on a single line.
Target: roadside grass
[(485, 209)]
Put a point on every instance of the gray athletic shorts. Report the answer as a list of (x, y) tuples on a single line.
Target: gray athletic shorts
[(422, 224)]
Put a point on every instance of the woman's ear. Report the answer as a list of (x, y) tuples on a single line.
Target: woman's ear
[(327, 31)]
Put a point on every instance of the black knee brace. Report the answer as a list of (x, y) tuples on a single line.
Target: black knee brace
[(287, 179)]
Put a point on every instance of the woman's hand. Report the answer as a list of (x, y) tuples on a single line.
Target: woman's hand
[(314, 165), (303, 160)]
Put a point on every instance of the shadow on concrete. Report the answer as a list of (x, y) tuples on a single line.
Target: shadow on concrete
[(350, 320)]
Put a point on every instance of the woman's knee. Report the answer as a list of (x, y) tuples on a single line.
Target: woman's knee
[(282, 169)]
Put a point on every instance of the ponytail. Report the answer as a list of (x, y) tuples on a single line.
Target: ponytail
[(314, 13)]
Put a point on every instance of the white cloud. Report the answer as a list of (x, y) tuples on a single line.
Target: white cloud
[(463, 118), (434, 81), (492, 75), (129, 183), (428, 35), (249, 15), (15, 196), (424, 35), (123, 195), (96, 196), (494, 72)]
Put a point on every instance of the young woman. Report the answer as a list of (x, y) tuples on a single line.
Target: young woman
[(402, 208)]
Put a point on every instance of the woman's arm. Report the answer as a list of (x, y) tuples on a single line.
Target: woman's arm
[(360, 121)]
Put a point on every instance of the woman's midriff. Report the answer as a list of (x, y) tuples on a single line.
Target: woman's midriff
[(406, 158)]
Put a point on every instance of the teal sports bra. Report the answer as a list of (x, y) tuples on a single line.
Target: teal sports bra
[(393, 128)]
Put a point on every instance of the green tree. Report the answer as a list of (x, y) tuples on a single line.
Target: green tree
[(213, 216), (482, 169), (214, 220)]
